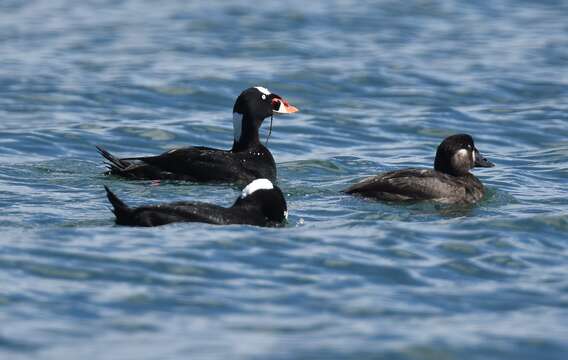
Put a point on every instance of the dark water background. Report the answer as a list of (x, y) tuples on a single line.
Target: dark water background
[(379, 83)]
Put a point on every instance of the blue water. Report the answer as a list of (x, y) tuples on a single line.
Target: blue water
[(379, 84)]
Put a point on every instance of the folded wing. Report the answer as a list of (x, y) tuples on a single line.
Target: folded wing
[(410, 184)]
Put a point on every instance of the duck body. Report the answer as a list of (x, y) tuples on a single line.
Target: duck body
[(260, 204), (156, 215), (197, 164), (419, 185), (449, 182)]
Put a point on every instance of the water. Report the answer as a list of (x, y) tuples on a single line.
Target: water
[(379, 84)]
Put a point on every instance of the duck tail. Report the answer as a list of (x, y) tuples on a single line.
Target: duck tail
[(114, 164), (119, 208)]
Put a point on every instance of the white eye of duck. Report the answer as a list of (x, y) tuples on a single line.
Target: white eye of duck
[(263, 97)]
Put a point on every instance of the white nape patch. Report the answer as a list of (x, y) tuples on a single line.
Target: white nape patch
[(258, 184), (263, 90), (286, 215), (473, 155), (237, 125)]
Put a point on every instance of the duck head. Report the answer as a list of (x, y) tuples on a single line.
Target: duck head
[(457, 154), (267, 197), (251, 108)]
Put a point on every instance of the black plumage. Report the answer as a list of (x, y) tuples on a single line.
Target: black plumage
[(262, 207), (247, 160)]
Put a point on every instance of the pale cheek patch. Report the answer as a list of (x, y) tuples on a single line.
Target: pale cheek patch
[(258, 184), (237, 125), (263, 90), (461, 158), (462, 153)]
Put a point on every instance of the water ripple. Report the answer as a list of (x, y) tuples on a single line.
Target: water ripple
[(379, 84)]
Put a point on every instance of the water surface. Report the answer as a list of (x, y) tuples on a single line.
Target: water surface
[(379, 84)]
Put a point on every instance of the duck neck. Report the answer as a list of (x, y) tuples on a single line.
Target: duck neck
[(441, 166), (245, 132), (447, 168)]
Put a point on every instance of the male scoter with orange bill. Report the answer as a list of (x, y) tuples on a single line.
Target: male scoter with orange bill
[(247, 160)]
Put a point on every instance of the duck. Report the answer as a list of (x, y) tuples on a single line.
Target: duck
[(261, 203), (449, 182), (247, 160)]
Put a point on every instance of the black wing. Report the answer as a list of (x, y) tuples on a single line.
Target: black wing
[(196, 163), (192, 163), (178, 212)]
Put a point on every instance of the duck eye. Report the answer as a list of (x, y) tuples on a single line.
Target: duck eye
[(263, 97)]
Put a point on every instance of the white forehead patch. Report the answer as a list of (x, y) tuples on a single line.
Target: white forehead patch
[(258, 184), (263, 90), (237, 125)]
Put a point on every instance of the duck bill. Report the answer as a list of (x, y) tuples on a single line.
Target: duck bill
[(281, 106), (481, 161)]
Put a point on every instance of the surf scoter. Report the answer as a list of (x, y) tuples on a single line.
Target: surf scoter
[(247, 160), (449, 182), (261, 203)]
